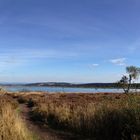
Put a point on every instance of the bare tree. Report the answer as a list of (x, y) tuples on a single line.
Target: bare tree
[(126, 81)]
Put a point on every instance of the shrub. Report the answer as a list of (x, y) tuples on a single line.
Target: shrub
[(30, 103), (21, 100)]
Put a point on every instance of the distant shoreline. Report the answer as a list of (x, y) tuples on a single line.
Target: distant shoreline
[(72, 85)]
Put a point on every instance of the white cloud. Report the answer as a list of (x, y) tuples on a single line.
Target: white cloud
[(118, 61), (95, 65)]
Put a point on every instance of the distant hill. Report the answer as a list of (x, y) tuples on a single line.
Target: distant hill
[(50, 84), (85, 85), (65, 84)]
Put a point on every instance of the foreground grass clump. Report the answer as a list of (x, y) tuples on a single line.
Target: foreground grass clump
[(11, 125), (108, 117)]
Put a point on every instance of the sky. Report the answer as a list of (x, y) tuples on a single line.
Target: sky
[(68, 40)]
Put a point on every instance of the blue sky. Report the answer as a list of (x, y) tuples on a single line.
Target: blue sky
[(68, 40)]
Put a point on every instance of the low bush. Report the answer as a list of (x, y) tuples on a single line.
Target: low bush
[(30, 103), (21, 100)]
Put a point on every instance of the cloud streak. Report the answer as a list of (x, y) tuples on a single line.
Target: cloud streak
[(118, 61), (20, 56)]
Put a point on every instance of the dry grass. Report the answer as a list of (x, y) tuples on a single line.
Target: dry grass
[(99, 116), (11, 125)]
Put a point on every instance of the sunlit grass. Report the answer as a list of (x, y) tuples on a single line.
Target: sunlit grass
[(110, 117), (12, 126)]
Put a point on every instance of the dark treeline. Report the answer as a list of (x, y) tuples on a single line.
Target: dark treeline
[(106, 85)]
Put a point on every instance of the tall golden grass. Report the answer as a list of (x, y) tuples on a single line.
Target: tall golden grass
[(11, 125), (110, 117)]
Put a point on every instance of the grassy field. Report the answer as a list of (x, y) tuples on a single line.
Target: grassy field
[(12, 126), (94, 116)]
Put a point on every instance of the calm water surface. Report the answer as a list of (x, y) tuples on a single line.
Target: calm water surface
[(59, 89)]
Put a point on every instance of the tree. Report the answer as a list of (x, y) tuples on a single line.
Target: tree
[(126, 81)]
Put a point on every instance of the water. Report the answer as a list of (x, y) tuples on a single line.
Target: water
[(58, 89)]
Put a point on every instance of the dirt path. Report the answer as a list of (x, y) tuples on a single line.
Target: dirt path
[(44, 133)]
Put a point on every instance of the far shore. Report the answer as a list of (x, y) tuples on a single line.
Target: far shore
[(65, 93)]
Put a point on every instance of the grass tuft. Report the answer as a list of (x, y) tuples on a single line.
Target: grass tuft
[(11, 125)]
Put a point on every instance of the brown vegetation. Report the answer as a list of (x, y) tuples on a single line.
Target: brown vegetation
[(11, 125), (96, 116)]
